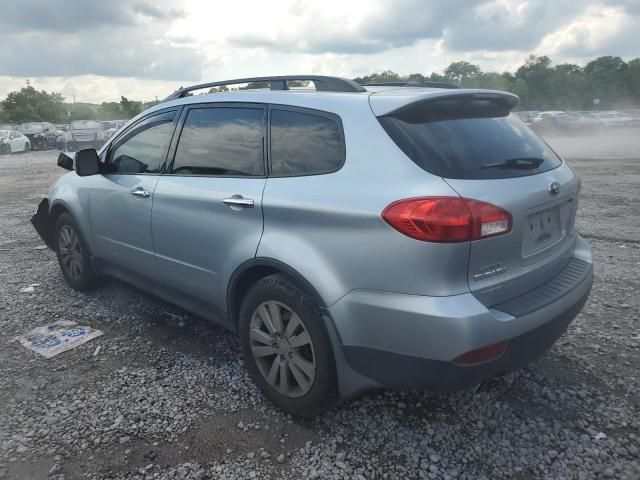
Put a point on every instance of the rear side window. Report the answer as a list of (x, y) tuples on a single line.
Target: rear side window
[(304, 144), (221, 141), (465, 141)]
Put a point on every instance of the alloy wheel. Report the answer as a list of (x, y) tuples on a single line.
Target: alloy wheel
[(283, 349), (70, 252)]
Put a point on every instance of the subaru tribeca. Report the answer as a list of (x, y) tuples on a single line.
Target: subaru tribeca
[(353, 236)]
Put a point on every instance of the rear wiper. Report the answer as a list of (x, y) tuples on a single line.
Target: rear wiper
[(525, 163)]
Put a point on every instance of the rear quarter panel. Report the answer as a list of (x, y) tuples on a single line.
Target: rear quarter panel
[(329, 227)]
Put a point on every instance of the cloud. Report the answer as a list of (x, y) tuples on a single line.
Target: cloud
[(387, 25), (156, 13), (79, 37), (460, 26), (599, 30)]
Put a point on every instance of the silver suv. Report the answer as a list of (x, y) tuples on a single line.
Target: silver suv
[(354, 237)]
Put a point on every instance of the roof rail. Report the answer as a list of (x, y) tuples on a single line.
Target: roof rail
[(322, 84), (413, 83)]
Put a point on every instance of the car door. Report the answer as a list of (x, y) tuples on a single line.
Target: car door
[(207, 210), (17, 141), (122, 198)]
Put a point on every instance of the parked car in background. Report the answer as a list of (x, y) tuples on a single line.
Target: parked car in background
[(614, 119), (562, 122), (41, 135), (526, 116), (7, 126), (83, 134), (354, 237), (62, 127), (112, 126), (12, 141)]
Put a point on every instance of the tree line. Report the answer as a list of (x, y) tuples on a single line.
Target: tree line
[(29, 104), (606, 82)]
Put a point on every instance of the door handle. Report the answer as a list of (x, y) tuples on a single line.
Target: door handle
[(238, 201), (140, 192)]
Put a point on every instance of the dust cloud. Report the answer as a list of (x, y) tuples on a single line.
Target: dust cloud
[(602, 143)]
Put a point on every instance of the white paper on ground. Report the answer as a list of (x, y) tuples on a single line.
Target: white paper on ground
[(57, 337)]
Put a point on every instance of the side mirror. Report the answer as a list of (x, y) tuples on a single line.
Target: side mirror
[(87, 162), (65, 161)]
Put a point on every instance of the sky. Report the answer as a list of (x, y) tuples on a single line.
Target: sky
[(99, 50)]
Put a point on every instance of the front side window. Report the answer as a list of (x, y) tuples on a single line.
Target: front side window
[(221, 141), (145, 149), (304, 144)]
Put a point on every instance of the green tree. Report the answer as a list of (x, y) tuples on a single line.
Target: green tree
[(383, 77), (536, 72), (130, 108), (633, 80), (29, 104), (109, 111), (82, 111), (490, 80), (458, 72), (605, 77)]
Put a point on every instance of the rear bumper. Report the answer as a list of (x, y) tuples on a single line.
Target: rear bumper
[(398, 340)]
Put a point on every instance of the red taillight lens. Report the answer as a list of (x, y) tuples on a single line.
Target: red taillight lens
[(447, 219), (482, 355)]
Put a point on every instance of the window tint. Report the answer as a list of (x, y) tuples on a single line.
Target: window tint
[(304, 144), (465, 142), (145, 150), (221, 141)]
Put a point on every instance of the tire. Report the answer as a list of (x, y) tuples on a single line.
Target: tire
[(5, 149), (27, 147), (73, 255), (302, 394)]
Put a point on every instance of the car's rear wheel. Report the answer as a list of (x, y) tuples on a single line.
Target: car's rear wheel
[(286, 346), (5, 149), (73, 255)]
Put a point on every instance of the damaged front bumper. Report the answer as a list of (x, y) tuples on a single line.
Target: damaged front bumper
[(41, 221)]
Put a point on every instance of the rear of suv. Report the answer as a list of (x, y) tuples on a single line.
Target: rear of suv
[(353, 237)]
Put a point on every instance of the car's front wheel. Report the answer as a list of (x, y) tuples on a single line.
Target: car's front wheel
[(73, 255), (27, 147), (286, 346)]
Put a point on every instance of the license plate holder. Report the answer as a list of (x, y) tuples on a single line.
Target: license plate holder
[(542, 230)]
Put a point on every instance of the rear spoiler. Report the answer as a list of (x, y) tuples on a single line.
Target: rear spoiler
[(393, 103)]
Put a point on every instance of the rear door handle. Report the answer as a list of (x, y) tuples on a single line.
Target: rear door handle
[(141, 192), (238, 201)]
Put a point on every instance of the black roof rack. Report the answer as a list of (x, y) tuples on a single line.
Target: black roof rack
[(414, 83), (322, 84)]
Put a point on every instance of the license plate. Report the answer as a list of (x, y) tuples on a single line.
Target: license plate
[(542, 230)]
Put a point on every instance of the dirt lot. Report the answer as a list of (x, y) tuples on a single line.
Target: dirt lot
[(167, 395)]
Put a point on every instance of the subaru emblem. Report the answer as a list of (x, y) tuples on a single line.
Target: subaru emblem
[(554, 188)]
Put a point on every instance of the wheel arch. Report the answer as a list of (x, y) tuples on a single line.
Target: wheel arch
[(253, 270)]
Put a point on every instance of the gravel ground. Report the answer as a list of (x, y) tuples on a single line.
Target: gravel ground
[(167, 395)]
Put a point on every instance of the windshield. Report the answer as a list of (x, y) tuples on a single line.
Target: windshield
[(463, 146), (31, 128), (85, 125), (4, 133)]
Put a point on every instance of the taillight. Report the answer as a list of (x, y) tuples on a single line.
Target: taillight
[(447, 219)]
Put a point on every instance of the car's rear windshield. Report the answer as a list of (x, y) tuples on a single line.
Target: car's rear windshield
[(462, 140), (86, 125), (31, 128)]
